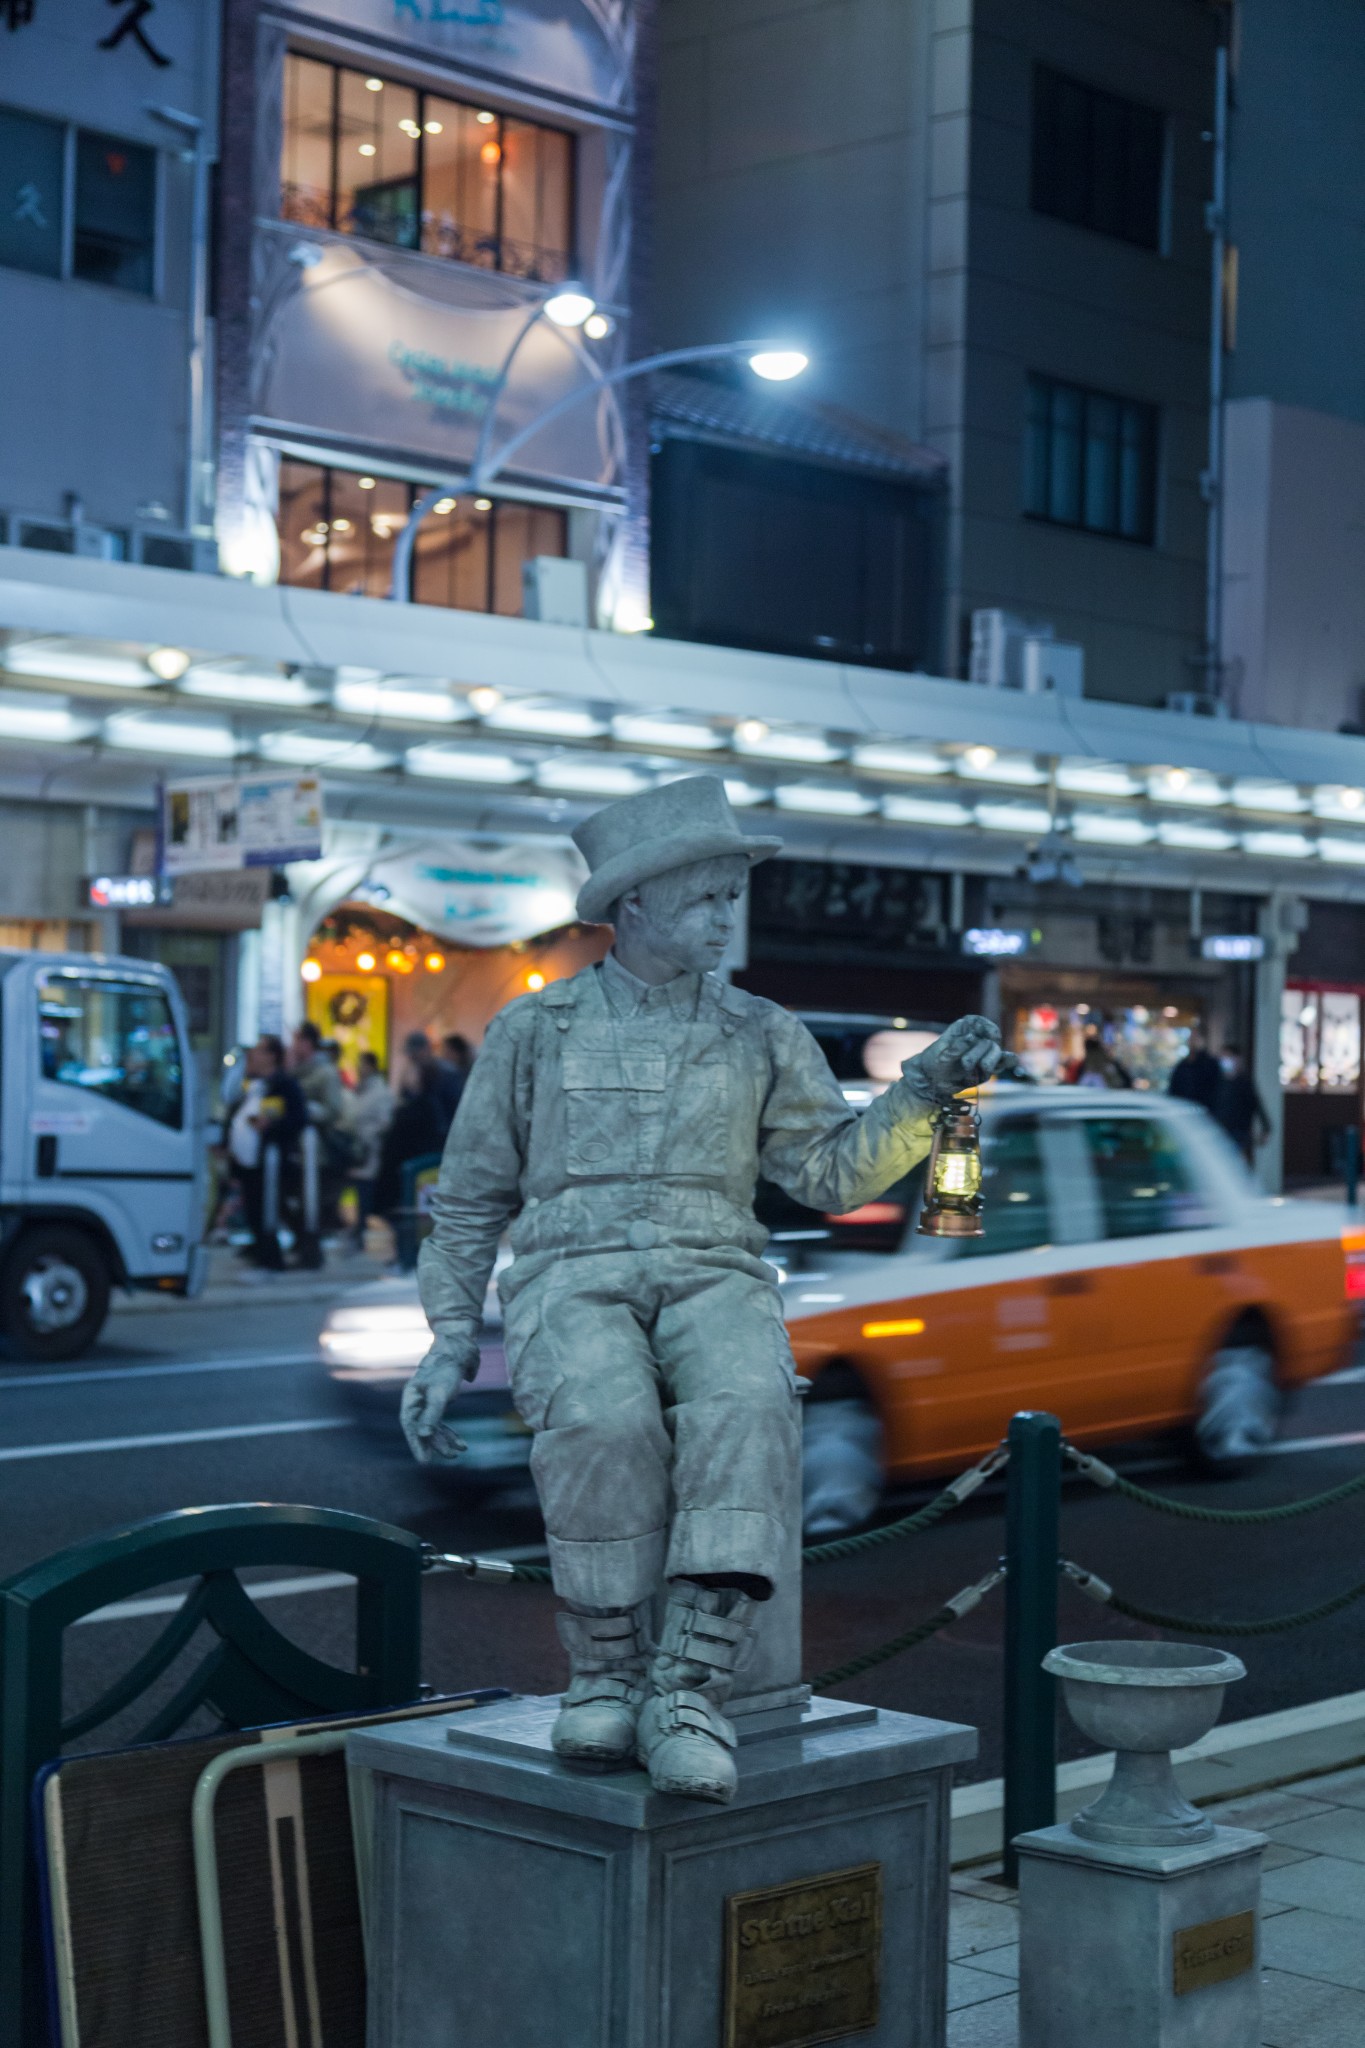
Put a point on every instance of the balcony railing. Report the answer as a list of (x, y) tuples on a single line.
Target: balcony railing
[(382, 216)]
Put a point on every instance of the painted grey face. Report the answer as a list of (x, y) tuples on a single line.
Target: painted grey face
[(687, 916)]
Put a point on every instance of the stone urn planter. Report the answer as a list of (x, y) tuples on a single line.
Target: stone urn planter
[(1142, 1700)]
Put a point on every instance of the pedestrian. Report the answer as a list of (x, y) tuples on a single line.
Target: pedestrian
[(1098, 1068), (1238, 1106), (427, 1097), (457, 1057), (1197, 1077), (371, 1113), (278, 1117), (324, 1099)]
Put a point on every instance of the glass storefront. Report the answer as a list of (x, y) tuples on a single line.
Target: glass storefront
[(1320, 1040), (1144, 1041)]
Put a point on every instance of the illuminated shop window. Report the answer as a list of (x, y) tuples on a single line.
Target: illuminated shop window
[(337, 531), (373, 157), (1320, 1041)]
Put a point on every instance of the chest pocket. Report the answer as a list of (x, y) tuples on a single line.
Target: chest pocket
[(608, 1094)]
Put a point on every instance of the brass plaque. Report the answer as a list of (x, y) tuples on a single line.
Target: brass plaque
[(803, 1962), (1213, 1952)]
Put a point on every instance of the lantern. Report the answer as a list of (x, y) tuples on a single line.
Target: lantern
[(952, 1198)]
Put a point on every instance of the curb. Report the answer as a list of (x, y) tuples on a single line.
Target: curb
[(1241, 1756)]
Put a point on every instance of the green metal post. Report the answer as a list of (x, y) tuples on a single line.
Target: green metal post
[(1031, 1513)]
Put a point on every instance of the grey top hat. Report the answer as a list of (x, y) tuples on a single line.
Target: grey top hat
[(641, 836)]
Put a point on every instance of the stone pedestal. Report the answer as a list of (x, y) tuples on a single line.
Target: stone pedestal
[(1147, 1947), (518, 1902)]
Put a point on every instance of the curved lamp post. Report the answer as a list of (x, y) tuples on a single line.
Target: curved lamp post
[(768, 359)]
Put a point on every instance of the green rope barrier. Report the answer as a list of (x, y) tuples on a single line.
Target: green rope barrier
[(1096, 1589), (951, 1610), (1189, 1511), (962, 1488)]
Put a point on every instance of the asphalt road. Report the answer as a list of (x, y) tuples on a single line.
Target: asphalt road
[(191, 1405)]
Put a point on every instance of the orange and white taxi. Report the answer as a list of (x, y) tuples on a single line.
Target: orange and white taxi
[(1132, 1279)]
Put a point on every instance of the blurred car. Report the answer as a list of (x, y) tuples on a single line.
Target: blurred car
[(1132, 1279)]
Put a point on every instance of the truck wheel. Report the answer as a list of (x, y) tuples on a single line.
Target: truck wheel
[(841, 1466), (1240, 1403), (54, 1294)]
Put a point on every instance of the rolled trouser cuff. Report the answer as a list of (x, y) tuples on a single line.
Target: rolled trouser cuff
[(617, 1572), (746, 1540)]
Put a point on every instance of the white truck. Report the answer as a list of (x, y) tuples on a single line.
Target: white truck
[(102, 1154)]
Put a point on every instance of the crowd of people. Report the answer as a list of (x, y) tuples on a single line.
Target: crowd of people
[(1219, 1082), (366, 1131)]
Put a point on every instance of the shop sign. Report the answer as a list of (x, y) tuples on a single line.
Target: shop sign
[(230, 900), (213, 823), (991, 942), (481, 896), (127, 892), (1232, 946)]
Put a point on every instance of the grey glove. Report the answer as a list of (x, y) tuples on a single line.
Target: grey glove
[(450, 1362), (967, 1053)]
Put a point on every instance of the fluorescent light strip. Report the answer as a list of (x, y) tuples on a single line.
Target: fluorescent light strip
[(465, 764), (788, 746), (250, 686), (665, 732), (138, 733), (1196, 838), (556, 721), (1251, 794), (1096, 778), (1104, 828), (384, 700), (924, 810), (49, 720), (743, 794), (834, 802), (77, 665), (893, 760), (1348, 852), (1340, 800), (1012, 817), (1181, 786), (1017, 769), (329, 753), (593, 777), (1278, 845)]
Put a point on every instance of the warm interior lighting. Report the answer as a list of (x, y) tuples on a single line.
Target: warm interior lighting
[(434, 962), (778, 365), (397, 961), (374, 85), (367, 149), (485, 119), (435, 128), (410, 127), (365, 483), (444, 505), (490, 153), (168, 663), (952, 1202), (904, 1326), (365, 962), (483, 504), (311, 970), (341, 526), (535, 981)]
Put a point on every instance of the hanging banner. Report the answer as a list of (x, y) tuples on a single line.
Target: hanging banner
[(261, 822), (477, 895)]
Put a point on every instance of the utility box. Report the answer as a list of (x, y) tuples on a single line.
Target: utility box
[(1057, 666), (555, 591), (998, 641)]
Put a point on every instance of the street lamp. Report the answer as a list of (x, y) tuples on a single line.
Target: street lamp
[(767, 359)]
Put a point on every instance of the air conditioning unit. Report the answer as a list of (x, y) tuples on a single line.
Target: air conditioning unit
[(65, 537), (157, 549), (1054, 665), (998, 637), (555, 591), (1197, 704)]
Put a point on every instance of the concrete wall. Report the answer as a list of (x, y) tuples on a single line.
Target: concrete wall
[(1297, 171), (1294, 565), (856, 173), (93, 397)]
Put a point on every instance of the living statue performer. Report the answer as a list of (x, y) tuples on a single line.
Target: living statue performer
[(618, 1122)]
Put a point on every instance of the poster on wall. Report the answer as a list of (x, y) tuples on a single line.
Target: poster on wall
[(213, 822), (354, 1010)]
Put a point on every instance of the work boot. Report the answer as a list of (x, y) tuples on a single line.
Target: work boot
[(685, 1742), (608, 1659)]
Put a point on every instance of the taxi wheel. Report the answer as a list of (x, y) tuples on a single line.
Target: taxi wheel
[(842, 1472), (1240, 1403)]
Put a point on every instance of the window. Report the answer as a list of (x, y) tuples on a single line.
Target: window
[(337, 532), (115, 213), (113, 232), (31, 164), (1098, 160), (1320, 1041), (1090, 460), (1014, 1190), (372, 157), (1145, 1182), (116, 1039)]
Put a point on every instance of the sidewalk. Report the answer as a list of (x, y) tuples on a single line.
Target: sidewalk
[(1313, 1924), (232, 1282)]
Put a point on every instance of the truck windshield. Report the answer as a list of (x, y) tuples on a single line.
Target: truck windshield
[(117, 1039)]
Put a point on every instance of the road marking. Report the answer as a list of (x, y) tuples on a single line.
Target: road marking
[(151, 1372), (277, 1589), (17, 1452)]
